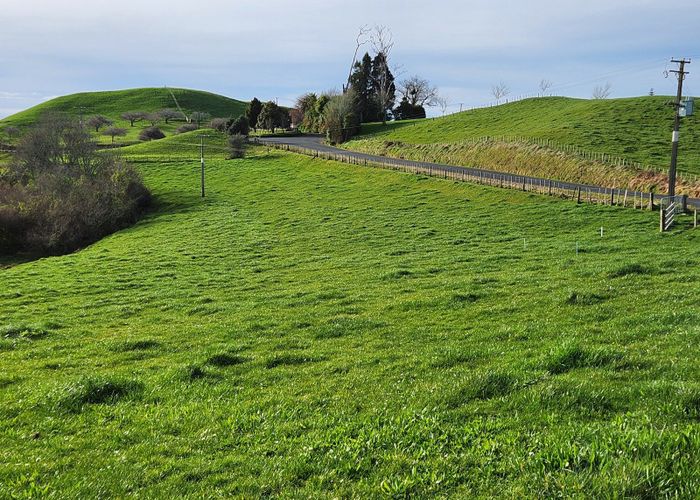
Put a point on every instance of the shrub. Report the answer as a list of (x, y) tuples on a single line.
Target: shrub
[(186, 127), (219, 124), (238, 125), (151, 133), (58, 193), (236, 146)]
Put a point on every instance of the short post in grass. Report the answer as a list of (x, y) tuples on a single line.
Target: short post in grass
[(601, 231)]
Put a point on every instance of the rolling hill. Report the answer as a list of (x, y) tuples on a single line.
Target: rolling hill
[(636, 129), (113, 103)]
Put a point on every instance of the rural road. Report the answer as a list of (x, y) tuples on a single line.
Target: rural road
[(315, 143)]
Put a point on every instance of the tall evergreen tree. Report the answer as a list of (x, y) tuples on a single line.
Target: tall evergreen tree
[(253, 112), (361, 83), (383, 85)]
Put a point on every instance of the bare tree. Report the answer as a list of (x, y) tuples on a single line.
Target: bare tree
[(199, 117), (98, 121), (545, 85), (499, 91), (114, 132), (418, 91), (442, 103), (382, 43), (153, 118), (169, 114), (133, 116), (602, 91), (359, 42)]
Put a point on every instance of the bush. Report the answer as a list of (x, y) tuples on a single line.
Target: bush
[(151, 133), (236, 146), (238, 125), (219, 124), (187, 127), (58, 193)]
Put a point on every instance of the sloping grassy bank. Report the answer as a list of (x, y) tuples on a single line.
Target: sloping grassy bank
[(323, 330)]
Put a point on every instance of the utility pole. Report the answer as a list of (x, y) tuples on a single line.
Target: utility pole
[(201, 158), (677, 123), (460, 106)]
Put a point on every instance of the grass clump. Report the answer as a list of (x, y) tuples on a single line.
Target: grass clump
[(627, 270), (574, 356), (225, 359), (585, 298), (482, 387), (135, 345), (98, 390), (288, 360), (24, 332)]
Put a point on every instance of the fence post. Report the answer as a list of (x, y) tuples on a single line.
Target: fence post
[(651, 201), (662, 214), (578, 195), (684, 203)]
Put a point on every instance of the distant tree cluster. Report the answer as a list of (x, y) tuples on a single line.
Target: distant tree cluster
[(369, 96)]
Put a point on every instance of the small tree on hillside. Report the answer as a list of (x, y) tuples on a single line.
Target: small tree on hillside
[(545, 85), (218, 124), (133, 116), (499, 91), (442, 103), (153, 118), (418, 92), (252, 112), (602, 91), (99, 121), (200, 117), (114, 132), (169, 114)]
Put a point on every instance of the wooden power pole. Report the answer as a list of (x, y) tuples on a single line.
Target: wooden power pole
[(677, 123)]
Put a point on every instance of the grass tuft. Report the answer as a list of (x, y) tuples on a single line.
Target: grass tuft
[(629, 269), (225, 359), (98, 390), (483, 387), (288, 360), (585, 299), (572, 357), (135, 345)]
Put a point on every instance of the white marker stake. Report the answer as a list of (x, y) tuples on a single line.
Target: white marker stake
[(601, 231)]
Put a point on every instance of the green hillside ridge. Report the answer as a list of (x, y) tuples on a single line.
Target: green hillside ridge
[(317, 329), (637, 129), (113, 103)]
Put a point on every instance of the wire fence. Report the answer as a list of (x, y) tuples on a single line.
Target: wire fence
[(549, 187)]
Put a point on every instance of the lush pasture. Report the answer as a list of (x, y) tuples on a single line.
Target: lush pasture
[(113, 103), (317, 329), (637, 129)]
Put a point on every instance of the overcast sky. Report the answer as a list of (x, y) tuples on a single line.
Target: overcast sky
[(280, 49)]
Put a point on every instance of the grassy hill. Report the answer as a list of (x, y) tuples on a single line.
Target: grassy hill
[(636, 129), (113, 103), (314, 329)]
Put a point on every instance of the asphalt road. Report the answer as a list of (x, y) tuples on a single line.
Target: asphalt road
[(316, 143)]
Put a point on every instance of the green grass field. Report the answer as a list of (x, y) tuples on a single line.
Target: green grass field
[(315, 329), (637, 129), (113, 103)]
